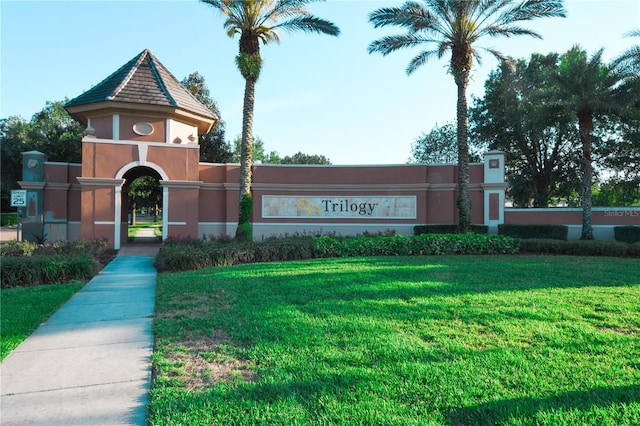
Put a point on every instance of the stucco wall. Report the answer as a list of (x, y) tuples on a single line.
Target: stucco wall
[(202, 198)]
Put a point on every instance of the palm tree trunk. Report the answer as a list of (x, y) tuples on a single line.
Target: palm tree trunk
[(246, 157), (246, 150), (133, 213), (585, 125), (464, 200)]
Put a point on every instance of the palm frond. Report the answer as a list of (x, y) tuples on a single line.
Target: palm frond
[(532, 9), (504, 60), (407, 16), (496, 29), (393, 43), (628, 63), (287, 8), (449, 23), (421, 59), (268, 34), (309, 24)]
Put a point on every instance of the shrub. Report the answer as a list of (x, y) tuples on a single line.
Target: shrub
[(424, 244), (555, 232), (197, 254), (28, 264), (447, 229), (16, 248), (7, 219), (45, 269), (627, 234), (580, 247)]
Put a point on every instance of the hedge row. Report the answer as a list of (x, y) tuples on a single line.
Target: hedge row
[(196, 254), (419, 245), (627, 234), (580, 247), (38, 270), (553, 232), (29, 264)]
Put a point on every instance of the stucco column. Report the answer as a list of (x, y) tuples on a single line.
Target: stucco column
[(101, 206), (180, 204), (494, 187), (33, 182)]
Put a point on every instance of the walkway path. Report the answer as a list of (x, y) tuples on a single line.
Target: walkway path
[(89, 364)]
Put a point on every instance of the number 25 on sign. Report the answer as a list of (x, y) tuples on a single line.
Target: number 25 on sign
[(19, 198)]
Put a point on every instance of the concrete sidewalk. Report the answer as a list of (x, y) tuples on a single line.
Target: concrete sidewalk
[(89, 364)]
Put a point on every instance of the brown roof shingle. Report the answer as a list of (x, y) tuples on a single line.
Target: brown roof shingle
[(143, 80)]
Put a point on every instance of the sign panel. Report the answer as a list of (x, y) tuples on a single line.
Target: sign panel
[(19, 198), (338, 207)]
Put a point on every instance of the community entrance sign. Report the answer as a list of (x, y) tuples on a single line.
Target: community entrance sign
[(351, 207), (140, 121)]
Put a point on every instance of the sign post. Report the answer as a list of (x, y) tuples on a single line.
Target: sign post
[(19, 200)]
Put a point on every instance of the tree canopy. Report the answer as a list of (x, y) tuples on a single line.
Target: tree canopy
[(213, 148), (439, 146), (51, 131), (260, 155), (556, 116), (539, 139)]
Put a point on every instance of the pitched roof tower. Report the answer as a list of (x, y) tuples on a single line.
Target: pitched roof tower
[(142, 85)]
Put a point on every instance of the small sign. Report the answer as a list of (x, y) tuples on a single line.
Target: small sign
[(19, 198)]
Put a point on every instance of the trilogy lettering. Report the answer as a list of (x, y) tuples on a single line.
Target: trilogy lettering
[(342, 206)]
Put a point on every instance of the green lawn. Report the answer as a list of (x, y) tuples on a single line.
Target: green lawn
[(25, 308), (133, 229), (456, 340)]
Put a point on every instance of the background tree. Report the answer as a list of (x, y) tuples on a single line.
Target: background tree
[(213, 148), (301, 158), (439, 146), (260, 155), (539, 140), (51, 131), (623, 155), (455, 26), (589, 89), (255, 21), (13, 142), (144, 192)]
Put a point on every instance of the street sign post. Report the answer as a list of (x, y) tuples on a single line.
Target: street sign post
[(18, 200)]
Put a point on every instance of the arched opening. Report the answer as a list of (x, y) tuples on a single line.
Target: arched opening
[(142, 201)]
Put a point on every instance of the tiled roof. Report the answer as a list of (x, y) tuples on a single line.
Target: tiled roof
[(142, 80)]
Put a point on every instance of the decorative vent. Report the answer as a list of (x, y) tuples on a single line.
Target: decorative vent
[(143, 129)]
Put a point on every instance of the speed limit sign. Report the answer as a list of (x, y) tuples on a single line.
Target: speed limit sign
[(19, 198)]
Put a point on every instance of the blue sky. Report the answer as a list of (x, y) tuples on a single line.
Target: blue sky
[(317, 94)]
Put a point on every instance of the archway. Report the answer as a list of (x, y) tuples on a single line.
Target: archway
[(142, 204)]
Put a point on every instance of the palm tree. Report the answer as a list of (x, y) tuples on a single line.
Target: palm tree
[(589, 89), (629, 61), (455, 26), (255, 21)]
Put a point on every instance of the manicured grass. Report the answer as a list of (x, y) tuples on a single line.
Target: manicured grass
[(10, 218), (455, 340), (25, 308), (132, 229)]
